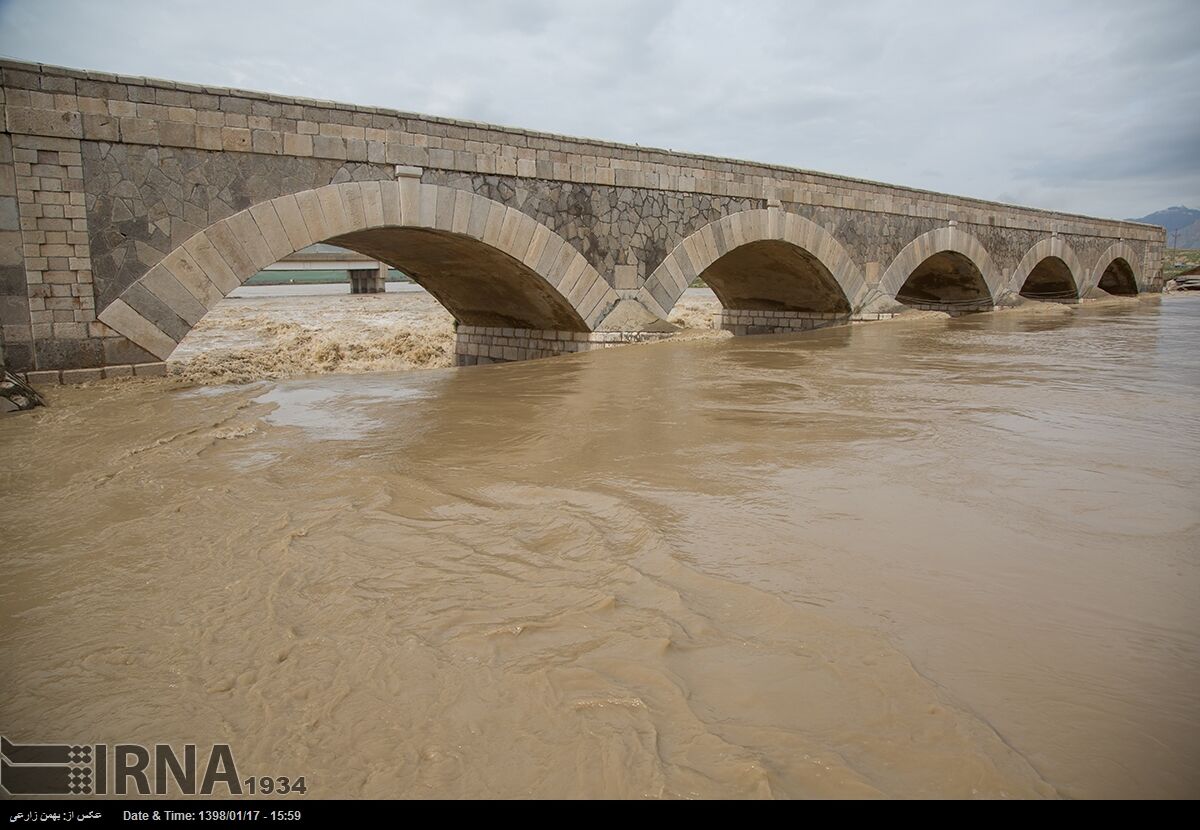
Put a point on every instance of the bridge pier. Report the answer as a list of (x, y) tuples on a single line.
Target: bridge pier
[(477, 345), (954, 308), (742, 321), (368, 281)]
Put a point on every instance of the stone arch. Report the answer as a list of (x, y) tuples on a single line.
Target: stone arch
[(538, 278), (1124, 259), (704, 248), (951, 242), (1050, 248)]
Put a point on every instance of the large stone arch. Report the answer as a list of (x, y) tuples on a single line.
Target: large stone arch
[(948, 240), (695, 254), (554, 286), (1057, 248), (1120, 251)]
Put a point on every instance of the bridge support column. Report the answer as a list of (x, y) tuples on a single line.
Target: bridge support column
[(476, 345), (954, 308), (368, 281), (755, 321)]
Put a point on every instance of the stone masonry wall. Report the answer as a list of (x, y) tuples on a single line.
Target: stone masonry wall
[(16, 333), (758, 321), (477, 345), (102, 175), (624, 232), (43, 100), (142, 203)]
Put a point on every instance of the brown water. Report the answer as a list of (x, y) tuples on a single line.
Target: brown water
[(927, 558), (283, 331)]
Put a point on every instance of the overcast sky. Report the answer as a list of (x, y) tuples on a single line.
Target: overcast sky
[(1089, 106)]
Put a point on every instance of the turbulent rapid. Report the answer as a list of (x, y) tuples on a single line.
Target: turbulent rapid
[(288, 331), (923, 558)]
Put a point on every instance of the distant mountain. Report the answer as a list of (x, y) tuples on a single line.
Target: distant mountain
[(1182, 224)]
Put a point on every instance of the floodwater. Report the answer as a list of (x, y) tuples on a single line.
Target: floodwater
[(950, 558), (282, 331)]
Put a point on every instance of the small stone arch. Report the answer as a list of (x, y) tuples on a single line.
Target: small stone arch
[(561, 289), (1120, 251), (695, 254), (938, 241), (1045, 248)]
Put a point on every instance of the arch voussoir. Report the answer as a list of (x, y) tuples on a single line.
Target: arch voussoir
[(941, 240), (209, 259), (1051, 246), (290, 217), (193, 277), (1117, 251), (705, 246), (271, 229), (157, 310)]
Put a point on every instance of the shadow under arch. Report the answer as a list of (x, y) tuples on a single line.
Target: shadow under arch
[(1116, 271), (761, 260), (1050, 271), (945, 269), (487, 263)]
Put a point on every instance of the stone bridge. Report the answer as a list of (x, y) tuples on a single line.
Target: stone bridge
[(130, 206)]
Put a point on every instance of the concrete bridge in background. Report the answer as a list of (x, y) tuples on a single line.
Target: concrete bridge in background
[(366, 275), (130, 206)]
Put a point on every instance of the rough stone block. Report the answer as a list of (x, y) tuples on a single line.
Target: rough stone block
[(426, 214), (139, 131), (352, 202), (537, 245), (242, 106), (119, 350), (336, 220), (192, 276), (626, 277), (226, 243), (268, 142), (81, 375), (372, 200), (124, 318), (297, 145), (287, 210), (389, 193), (182, 114), (209, 138), (271, 229), (170, 291), (314, 217), (101, 128), (329, 147), (177, 134), (122, 109), (209, 259), (246, 230), (44, 122), (236, 139)]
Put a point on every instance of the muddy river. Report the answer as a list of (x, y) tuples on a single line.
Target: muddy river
[(952, 558)]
